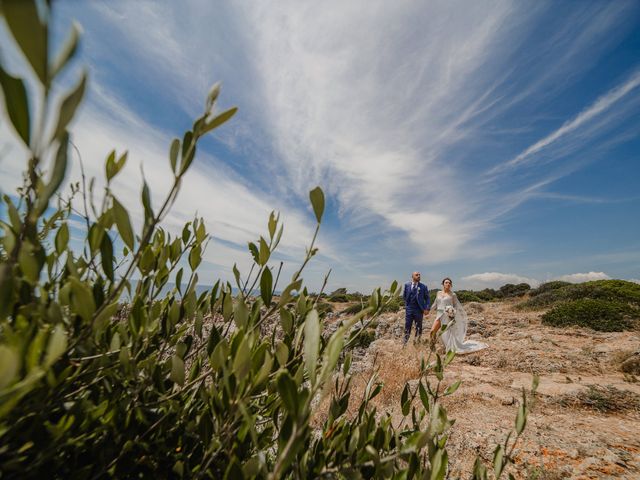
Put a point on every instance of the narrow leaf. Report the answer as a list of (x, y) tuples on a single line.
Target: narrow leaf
[(123, 223), (30, 33), (219, 120), (317, 201), (177, 370), (311, 343), (67, 52), (17, 105), (266, 286), (69, 106)]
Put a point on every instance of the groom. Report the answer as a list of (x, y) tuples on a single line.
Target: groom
[(417, 303)]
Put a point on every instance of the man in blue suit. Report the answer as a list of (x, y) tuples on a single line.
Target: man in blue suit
[(417, 303)]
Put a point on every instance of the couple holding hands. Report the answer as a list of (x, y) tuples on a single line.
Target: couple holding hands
[(450, 316)]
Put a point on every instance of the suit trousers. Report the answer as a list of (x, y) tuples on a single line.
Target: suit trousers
[(411, 316)]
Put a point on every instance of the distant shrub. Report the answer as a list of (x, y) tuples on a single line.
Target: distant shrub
[(364, 339), (468, 296), (601, 315), (433, 294), (613, 290), (514, 290), (353, 309), (547, 287), (394, 305), (323, 308)]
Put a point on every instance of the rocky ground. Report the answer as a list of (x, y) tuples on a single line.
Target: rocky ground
[(585, 418)]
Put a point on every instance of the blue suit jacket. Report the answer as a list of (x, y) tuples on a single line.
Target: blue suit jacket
[(423, 295)]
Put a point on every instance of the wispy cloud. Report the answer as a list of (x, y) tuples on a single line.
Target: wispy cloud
[(496, 279), (602, 104)]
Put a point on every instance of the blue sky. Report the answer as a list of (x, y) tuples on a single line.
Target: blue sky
[(491, 142)]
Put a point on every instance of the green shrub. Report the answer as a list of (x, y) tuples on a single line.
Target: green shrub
[(489, 294), (601, 315), (394, 305), (353, 309), (323, 308), (513, 290), (365, 338), (612, 290), (468, 296), (89, 389), (547, 287)]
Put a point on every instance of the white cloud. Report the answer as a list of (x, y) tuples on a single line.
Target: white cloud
[(635, 280), (496, 279), (583, 277), (601, 105)]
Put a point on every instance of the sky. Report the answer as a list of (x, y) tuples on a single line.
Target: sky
[(490, 142)]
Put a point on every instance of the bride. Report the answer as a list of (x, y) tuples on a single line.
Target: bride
[(450, 313)]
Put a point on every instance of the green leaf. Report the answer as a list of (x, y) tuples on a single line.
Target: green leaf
[(521, 419), (264, 252), (317, 201), (174, 150), (332, 354), (6, 290), (106, 256), (57, 346), (452, 388), (30, 33), (57, 175), (17, 104), (69, 106), (240, 313), (311, 344), (273, 223), (28, 263), (451, 354), (288, 391), (67, 52), (177, 370), (9, 365), (242, 360), (62, 238), (286, 294), (123, 223), (146, 202), (195, 257), (266, 286), (404, 400), (424, 398), (254, 252), (219, 120), (479, 470), (82, 299), (498, 456), (439, 465), (36, 347)]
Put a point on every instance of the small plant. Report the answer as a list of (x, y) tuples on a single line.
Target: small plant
[(90, 388)]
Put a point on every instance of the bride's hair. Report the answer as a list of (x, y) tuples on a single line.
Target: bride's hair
[(445, 279)]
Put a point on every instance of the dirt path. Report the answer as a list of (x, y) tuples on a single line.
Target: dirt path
[(585, 421)]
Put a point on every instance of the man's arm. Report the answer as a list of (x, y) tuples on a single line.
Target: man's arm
[(404, 294), (428, 298)]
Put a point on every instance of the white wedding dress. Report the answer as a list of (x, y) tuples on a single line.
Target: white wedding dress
[(453, 335)]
